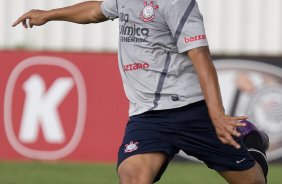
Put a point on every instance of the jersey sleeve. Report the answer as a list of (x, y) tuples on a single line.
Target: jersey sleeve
[(110, 9), (186, 24)]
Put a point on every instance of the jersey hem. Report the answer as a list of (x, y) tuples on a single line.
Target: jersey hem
[(161, 106)]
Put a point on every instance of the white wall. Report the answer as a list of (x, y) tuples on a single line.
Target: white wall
[(232, 26), (54, 35), (243, 26)]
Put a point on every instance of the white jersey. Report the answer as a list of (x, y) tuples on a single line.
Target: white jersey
[(153, 39)]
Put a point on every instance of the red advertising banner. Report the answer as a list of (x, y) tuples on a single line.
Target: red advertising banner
[(67, 106), (71, 106)]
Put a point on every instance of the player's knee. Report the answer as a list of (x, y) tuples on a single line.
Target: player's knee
[(257, 180), (134, 175)]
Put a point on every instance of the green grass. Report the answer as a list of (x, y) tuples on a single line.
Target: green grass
[(78, 173)]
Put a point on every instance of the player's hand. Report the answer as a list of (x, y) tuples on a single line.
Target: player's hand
[(32, 18), (225, 127)]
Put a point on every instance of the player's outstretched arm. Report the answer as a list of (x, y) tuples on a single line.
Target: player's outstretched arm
[(225, 125), (82, 13)]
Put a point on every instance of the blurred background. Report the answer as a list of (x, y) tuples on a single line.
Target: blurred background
[(71, 132), (250, 27)]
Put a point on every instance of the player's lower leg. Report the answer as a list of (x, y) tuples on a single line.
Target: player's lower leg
[(257, 143)]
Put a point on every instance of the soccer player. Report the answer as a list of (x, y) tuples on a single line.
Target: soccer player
[(173, 90)]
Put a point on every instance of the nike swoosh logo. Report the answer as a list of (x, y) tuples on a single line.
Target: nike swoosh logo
[(239, 161)]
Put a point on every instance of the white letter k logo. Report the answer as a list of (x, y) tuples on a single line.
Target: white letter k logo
[(41, 109)]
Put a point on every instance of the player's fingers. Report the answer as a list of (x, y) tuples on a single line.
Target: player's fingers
[(17, 22), (240, 124), (236, 120), (226, 138), (24, 24), (30, 24), (239, 118), (237, 123), (223, 140), (24, 17), (232, 142), (235, 144), (231, 129), (234, 132)]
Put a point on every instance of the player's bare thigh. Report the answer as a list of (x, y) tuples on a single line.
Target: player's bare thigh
[(253, 175), (141, 168)]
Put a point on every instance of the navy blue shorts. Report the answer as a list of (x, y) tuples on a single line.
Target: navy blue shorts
[(186, 128)]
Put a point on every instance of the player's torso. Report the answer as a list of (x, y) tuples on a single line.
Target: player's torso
[(149, 60)]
